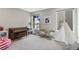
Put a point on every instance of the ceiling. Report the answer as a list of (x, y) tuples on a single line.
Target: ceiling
[(33, 9)]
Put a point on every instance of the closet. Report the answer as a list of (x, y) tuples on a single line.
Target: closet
[(68, 15), (67, 26)]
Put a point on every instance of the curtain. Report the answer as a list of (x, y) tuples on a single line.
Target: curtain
[(65, 35)]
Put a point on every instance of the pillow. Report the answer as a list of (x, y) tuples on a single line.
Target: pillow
[(51, 33), (1, 28), (42, 32)]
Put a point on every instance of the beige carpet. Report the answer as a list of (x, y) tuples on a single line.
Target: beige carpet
[(33, 42)]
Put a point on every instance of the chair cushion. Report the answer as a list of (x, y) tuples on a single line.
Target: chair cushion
[(4, 43)]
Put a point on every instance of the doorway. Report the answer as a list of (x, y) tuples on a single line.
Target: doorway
[(36, 23)]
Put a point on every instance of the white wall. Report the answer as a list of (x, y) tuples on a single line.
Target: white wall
[(51, 13), (78, 23), (52, 16), (53, 20), (13, 17), (75, 22)]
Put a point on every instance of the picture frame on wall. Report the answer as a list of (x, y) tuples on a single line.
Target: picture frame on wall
[(47, 20)]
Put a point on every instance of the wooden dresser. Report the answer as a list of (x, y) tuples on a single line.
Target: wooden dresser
[(15, 33)]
